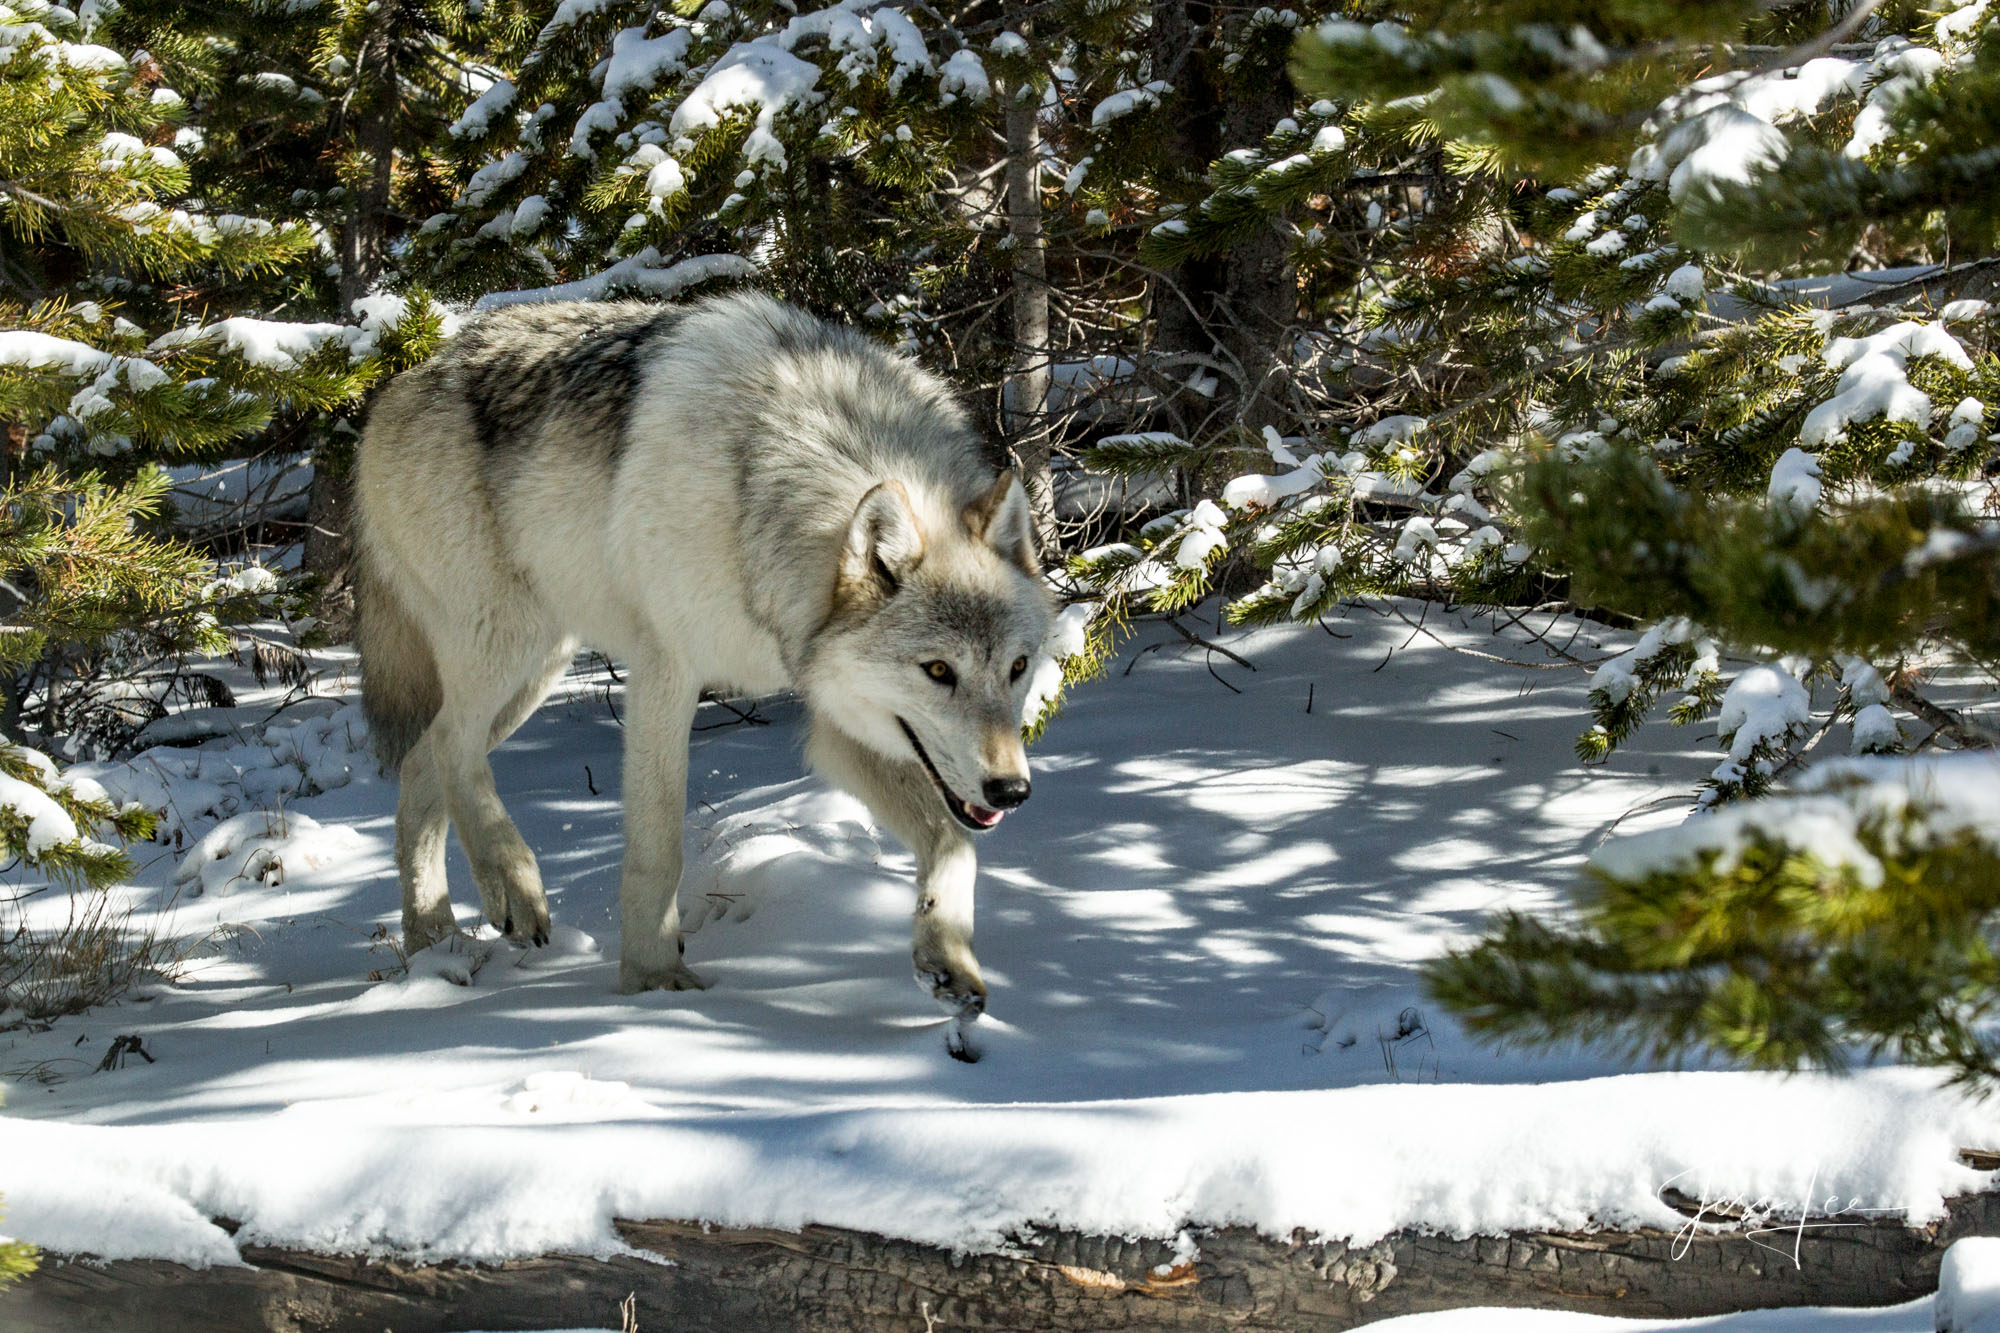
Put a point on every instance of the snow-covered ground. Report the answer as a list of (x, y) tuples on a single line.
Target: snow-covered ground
[(1915, 1317), (1202, 936)]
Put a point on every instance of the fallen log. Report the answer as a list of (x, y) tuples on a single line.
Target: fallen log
[(691, 1278)]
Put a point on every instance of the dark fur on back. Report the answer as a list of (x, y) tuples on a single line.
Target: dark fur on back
[(521, 367)]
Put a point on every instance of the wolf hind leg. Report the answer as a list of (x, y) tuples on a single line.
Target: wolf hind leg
[(421, 827), (904, 799), (660, 705), (478, 700)]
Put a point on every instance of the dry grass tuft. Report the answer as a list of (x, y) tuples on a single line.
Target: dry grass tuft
[(94, 957)]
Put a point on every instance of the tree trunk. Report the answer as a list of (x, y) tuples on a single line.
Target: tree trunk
[(829, 1280), (1026, 421), (367, 119), (1236, 308), (1260, 294), (1183, 303)]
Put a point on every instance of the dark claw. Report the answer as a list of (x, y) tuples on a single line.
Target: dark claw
[(507, 926), (960, 1049), (541, 938), (682, 945)]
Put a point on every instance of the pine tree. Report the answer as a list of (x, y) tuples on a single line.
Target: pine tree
[(1768, 478), (977, 185), (105, 248), (332, 115)]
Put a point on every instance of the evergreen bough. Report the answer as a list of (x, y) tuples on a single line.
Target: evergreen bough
[(1575, 350)]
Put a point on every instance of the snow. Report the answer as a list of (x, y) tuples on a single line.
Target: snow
[(1724, 145), (1204, 536), (1266, 491), (1915, 1317), (528, 216), (640, 274), (1417, 532), (1617, 677), (638, 62), (491, 177), (1389, 430), (569, 13), (1875, 730), (903, 42), (1125, 102), (1067, 637), (477, 119), (601, 118), (49, 825), (262, 847), (1968, 1295), (761, 77), (1794, 482), (42, 351), (1686, 283), (1874, 380), (963, 73), (1764, 705), (1921, 801), (267, 343), (1200, 935), (1899, 69), (1863, 682)]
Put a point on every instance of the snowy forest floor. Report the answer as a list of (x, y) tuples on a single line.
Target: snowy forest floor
[(1203, 938)]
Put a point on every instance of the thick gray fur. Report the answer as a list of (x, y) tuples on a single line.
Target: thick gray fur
[(731, 495)]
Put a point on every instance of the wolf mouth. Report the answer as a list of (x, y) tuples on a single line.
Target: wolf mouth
[(975, 817)]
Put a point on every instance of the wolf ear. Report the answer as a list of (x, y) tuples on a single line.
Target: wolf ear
[(1000, 518), (883, 541)]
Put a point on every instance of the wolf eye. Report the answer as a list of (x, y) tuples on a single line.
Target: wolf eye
[(941, 672), (1020, 665)]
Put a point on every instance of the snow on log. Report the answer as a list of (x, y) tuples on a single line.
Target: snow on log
[(830, 1280)]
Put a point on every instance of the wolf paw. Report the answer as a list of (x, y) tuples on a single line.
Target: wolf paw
[(959, 1042), (527, 923), (962, 994), (421, 932), (632, 980)]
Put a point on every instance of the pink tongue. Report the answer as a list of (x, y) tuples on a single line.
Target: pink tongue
[(982, 816)]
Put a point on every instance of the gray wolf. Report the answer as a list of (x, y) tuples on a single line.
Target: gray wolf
[(729, 495)]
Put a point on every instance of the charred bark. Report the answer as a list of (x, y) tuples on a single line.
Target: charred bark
[(830, 1280)]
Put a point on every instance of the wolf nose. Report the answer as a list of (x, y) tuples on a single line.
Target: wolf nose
[(1005, 793)]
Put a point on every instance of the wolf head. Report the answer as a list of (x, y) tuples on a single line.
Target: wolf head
[(934, 629)]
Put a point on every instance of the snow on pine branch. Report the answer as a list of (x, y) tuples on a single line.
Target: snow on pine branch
[(639, 274), (1844, 814), (281, 345)]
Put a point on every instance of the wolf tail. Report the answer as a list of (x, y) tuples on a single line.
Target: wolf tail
[(400, 691)]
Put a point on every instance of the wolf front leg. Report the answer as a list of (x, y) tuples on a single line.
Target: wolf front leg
[(660, 705), (902, 796)]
